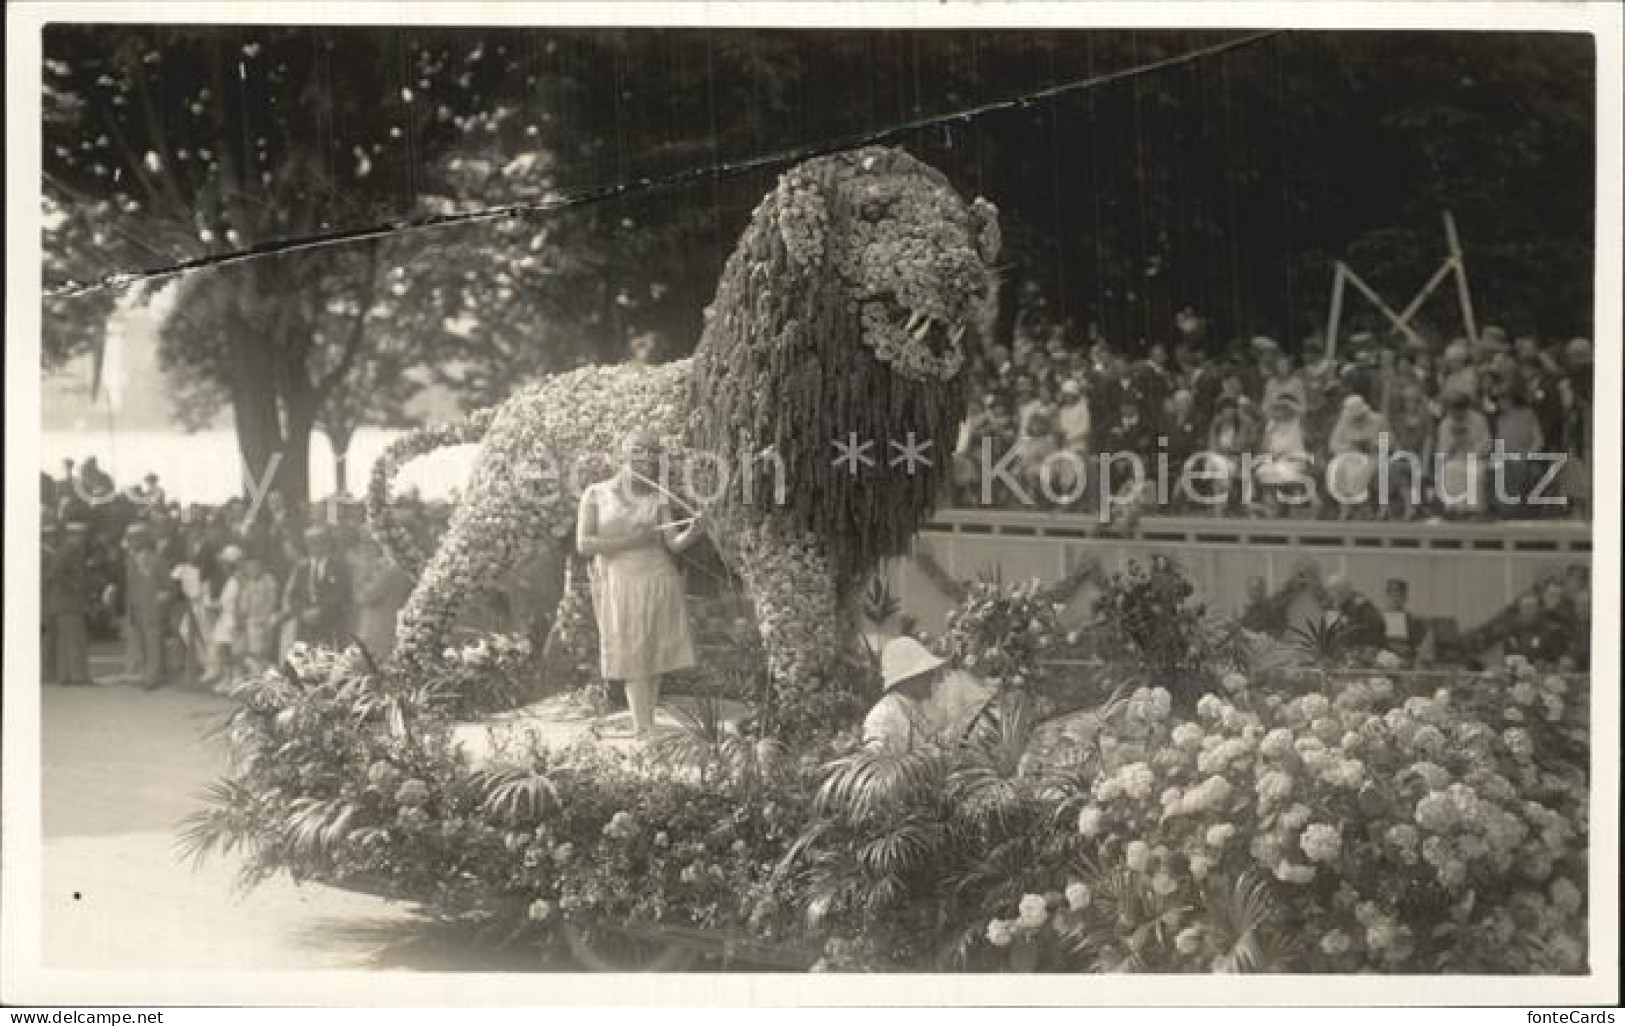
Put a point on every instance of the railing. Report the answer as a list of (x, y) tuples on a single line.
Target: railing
[(1500, 536), (1465, 571)]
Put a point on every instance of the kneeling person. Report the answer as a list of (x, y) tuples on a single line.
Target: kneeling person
[(925, 702)]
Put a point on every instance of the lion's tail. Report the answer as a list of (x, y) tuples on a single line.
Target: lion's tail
[(397, 537)]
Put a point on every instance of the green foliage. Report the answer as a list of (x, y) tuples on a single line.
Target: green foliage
[(906, 851), (327, 756), (1003, 632), (1348, 828), (1323, 643), (1149, 615), (492, 673)]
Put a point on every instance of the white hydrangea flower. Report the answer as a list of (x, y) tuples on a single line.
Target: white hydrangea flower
[(1566, 896), (1078, 896), (1335, 943), (1089, 821), (999, 933), (1032, 911), (1321, 842)]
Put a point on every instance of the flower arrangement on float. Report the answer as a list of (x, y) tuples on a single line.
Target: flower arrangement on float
[(1002, 632), (490, 672), (1347, 830), (1345, 826)]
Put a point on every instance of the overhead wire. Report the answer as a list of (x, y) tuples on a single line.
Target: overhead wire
[(565, 200)]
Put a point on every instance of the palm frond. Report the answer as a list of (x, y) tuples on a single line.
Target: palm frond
[(861, 784), (1321, 641), (220, 827), (316, 828), (696, 738), (1242, 913), (903, 848), (516, 795)]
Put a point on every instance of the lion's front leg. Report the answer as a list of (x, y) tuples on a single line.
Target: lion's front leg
[(510, 509), (804, 636)]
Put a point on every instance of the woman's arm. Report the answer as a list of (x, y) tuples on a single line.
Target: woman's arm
[(679, 539)]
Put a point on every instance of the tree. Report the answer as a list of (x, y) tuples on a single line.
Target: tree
[(180, 143), (71, 327), (375, 374), (1228, 184)]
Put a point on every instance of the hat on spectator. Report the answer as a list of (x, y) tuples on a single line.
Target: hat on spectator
[(1578, 349), (1289, 400), (137, 530), (78, 527), (1355, 404), (231, 554), (903, 659), (1071, 387), (1265, 343)]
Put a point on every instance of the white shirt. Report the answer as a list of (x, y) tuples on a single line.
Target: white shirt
[(1074, 423), (900, 723)]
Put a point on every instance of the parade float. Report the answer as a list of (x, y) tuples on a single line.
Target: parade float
[(1196, 811), (844, 312)]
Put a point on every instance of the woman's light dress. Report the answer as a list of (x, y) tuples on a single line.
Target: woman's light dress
[(638, 593)]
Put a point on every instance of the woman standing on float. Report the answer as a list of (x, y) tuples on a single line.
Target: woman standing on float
[(625, 524)]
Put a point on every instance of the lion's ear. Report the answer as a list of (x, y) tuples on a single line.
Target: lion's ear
[(802, 219), (988, 239)]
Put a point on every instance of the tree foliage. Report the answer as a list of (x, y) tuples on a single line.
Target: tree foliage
[(1228, 184)]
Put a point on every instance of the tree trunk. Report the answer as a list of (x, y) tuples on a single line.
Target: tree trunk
[(255, 413), (299, 419), (339, 442), (291, 346)]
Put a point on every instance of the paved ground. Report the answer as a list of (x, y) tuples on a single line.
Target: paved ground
[(121, 767)]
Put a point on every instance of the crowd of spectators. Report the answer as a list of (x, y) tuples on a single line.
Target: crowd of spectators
[(1375, 427), (1549, 623), (201, 593)]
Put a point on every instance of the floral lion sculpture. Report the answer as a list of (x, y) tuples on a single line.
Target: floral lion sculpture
[(839, 327)]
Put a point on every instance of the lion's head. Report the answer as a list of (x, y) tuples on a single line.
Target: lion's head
[(845, 313), (913, 257)]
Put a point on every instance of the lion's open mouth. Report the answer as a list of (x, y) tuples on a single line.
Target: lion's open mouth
[(936, 336), (916, 344)]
